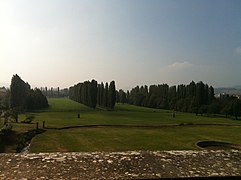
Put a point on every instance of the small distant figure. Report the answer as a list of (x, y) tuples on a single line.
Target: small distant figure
[(173, 115), (78, 115)]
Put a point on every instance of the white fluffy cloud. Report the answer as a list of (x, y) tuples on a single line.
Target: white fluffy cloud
[(180, 65)]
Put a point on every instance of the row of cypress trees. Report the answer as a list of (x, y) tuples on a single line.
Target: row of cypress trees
[(91, 94), (188, 98), (22, 97)]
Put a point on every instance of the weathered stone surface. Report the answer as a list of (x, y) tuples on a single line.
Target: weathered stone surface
[(121, 165)]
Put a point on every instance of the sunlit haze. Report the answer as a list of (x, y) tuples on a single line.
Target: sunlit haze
[(59, 43)]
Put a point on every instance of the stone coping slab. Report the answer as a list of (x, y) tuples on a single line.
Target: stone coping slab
[(121, 165)]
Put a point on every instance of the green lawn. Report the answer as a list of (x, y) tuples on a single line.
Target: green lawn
[(63, 113), (124, 139)]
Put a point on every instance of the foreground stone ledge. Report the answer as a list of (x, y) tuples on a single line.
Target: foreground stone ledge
[(121, 165)]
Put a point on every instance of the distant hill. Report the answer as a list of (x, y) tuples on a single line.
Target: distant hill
[(229, 90), (238, 87)]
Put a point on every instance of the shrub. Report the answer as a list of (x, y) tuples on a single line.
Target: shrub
[(28, 119)]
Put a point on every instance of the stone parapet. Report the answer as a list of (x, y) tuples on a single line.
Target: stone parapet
[(121, 165)]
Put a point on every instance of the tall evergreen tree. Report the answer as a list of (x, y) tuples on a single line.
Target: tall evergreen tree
[(128, 97), (58, 90), (102, 91), (236, 108), (93, 93), (122, 96), (98, 94), (200, 94), (19, 91), (23, 98), (112, 95), (211, 94)]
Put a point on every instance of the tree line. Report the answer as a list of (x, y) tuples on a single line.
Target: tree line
[(55, 92), (180, 98), (22, 97), (227, 105), (92, 94), (195, 97)]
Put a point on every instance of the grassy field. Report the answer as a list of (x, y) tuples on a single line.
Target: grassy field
[(63, 113)]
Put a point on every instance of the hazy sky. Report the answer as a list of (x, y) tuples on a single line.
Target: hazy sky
[(61, 42)]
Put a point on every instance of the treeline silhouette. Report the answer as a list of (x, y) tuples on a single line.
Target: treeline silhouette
[(55, 92), (22, 97), (182, 97), (92, 94), (195, 97)]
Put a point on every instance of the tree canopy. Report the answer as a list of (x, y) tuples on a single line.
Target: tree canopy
[(92, 94), (23, 97)]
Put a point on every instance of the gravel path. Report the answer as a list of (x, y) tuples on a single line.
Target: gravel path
[(121, 165)]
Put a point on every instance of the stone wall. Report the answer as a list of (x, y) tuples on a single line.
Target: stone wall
[(121, 165)]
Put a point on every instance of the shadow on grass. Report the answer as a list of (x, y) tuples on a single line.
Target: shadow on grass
[(141, 126)]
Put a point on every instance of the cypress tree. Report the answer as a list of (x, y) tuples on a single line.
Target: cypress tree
[(93, 93), (89, 102), (19, 91), (200, 93), (112, 95), (98, 94), (211, 94), (102, 91), (58, 91), (123, 98)]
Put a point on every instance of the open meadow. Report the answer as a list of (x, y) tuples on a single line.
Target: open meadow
[(126, 128)]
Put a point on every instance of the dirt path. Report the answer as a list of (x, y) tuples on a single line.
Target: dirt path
[(141, 126)]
